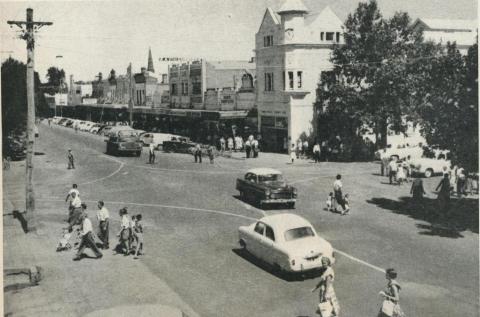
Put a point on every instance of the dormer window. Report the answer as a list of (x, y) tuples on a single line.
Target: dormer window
[(338, 37), (268, 40), (322, 35), (329, 36)]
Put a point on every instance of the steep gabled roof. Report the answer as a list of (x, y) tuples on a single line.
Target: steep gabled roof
[(290, 6), (326, 19), (269, 14), (446, 24)]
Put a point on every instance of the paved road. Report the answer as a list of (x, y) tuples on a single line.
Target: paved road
[(192, 215)]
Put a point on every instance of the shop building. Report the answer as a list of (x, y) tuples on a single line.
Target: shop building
[(292, 49)]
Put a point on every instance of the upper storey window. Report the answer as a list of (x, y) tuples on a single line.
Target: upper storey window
[(268, 40), (330, 37)]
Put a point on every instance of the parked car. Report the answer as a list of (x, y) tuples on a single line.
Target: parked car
[(95, 128), (123, 142), (14, 147), (286, 241), (431, 166), (266, 186), (156, 138), (115, 129), (86, 126), (400, 151), (178, 144)]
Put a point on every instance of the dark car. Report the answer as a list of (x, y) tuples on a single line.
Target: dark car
[(15, 148), (266, 186), (179, 145), (124, 142)]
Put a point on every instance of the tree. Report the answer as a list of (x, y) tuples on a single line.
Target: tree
[(55, 80), (449, 111), (369, 85), (112, 79), (14, 97)]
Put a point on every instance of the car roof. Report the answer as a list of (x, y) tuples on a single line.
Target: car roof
[(263, 171), (285, 221)]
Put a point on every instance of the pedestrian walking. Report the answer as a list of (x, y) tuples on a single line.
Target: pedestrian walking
[(74, 189), (103, 217), (124, 234), (316, 152), (75, 207), (384, 162), (337, 190), (87, 239), (461, 181), (401, 175), (70, 159), (293, 153), (393, 169), (138, 234), (298, 149), (391, 298), (151, 153), (238, 143), (328, 304), (211, 153), (198, 153), (417, 192), (444, 194), (305, 149), (248, 148)]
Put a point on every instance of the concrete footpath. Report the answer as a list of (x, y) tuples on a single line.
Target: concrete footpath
[(112, 286)]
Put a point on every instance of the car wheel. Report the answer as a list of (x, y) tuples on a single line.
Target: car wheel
[(428, 172), (277, 268), (139, 153), (291, 205)]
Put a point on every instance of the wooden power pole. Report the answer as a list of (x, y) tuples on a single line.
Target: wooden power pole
[(29, 37), (130, 94)]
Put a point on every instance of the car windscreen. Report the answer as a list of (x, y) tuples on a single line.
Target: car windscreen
[(298, 233), (270, 178), (127, 135)]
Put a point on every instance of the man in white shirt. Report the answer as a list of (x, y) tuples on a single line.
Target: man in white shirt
[(316, 152), (87, 239), (393, 167), (103, 223), (74, 206), (74, 189), (151, 152)]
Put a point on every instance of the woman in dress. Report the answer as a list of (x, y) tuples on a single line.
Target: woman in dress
[(391, 294), (325, 286)]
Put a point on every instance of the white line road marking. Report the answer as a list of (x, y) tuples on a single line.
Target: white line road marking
[(250, 207), (360, 261), (103, 178), (220, 212), (183, 171)]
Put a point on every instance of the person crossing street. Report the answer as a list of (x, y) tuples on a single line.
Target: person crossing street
[(87, 239), (103, 217), (151, 154), (70, 160)]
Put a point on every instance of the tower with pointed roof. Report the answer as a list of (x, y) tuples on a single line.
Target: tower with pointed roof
[(150, 62), (292, 14)]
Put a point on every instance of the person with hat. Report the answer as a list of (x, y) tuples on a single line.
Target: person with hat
[(87, 239), (70, 159)]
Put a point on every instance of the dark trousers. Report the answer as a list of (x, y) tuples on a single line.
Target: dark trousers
[(247, 150), (392, 175), (339, 199), (151, 158), (71, 164), (88, 242), (255, 153), (316, 156), (198, 156), (103, 233), (460, 187)]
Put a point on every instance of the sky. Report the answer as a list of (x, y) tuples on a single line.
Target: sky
[(97, 36)]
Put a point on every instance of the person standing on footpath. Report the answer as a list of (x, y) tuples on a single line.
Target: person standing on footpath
[(255, 148), (248, 148), (151, 153), (87, 239), (384, 162), (460, 181), (393, 169), (417, 192), (293, 153), (103, 224), (230, 144), (211, 154), (298, 149), (70, 159), (222, 144), (337, 190), (316, 152), (305, 149), (198, 153)]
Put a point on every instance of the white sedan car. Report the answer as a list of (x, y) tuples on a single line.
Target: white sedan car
[(288, 242)]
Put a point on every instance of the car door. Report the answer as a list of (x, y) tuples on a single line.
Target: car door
[(256, 247), (268, 242)]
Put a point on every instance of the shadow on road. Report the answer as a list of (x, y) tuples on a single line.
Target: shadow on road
[(463, 215), (286, 276)]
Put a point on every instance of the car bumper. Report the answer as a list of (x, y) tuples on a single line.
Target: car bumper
[(278, 201)]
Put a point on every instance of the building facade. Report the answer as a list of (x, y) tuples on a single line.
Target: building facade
[(463, 32), (292, 49)]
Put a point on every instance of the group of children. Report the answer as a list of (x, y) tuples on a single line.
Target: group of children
[(130, 235), (332, 203)]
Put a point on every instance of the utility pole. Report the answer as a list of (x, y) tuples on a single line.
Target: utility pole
[(29, 37), (130, 94)]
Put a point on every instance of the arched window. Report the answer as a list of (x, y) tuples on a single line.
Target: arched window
[(247, 81)]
